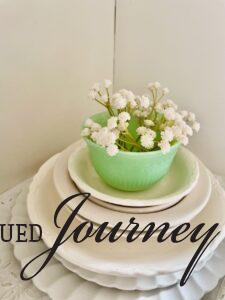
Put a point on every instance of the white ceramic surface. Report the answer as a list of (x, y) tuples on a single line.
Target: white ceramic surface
[(65, 186), (184, 211), (59, 283), (124, 259), (134, 210), (180, 180), (142, 283)]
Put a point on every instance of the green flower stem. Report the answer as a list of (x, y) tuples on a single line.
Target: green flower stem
[(110, 109), (152, 110), (154, 98), (100, 102), (128, 142), (106, 106), (137, 140), (153, 95), (133, 142), (160, 97), (128, 133), (155, 118), (121, 147), (107, 92)]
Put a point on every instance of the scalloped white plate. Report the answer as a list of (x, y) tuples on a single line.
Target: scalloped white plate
[(59, 283), (180, 180), (123, 259), (142, 283), (184, 211)]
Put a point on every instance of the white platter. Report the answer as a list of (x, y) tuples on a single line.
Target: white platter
[(180, 180), (59, 283), (123, 259), (184, 210)]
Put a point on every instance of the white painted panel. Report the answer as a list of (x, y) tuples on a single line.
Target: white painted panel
[(182, 44), (51, 51)]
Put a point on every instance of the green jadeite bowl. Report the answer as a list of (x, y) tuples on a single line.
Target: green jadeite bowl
[(129, 171)]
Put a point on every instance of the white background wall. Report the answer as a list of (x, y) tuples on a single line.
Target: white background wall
[(51, 52), (180, 43)]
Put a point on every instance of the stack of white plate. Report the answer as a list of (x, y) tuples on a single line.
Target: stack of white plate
[(188, 193)]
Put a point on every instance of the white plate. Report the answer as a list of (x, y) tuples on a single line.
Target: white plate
[(134, 210), (59, 283), (184, 211), (142, 283), (65, 186), (180, 180), (123, 259)]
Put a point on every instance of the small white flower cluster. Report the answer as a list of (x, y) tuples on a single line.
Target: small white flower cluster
[(122, 99), (177, 126), (108, 135), (103, 136), (143, 106), (160, 123), (119, 123), (167, 136), (147, 137), (96, 91)]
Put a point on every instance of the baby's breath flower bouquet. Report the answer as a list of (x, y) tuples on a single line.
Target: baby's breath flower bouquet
[(136, 123), (133, 143)]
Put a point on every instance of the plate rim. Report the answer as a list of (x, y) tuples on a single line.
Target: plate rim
[(83, 186), (92, 206)]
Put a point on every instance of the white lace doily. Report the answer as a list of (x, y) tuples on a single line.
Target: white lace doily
[(11, 286)]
